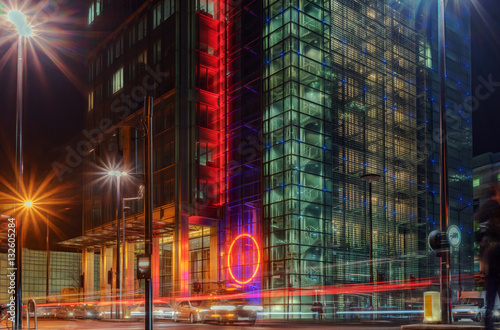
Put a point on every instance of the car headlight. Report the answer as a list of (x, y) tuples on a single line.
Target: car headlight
[(254, 308), (472, 312), (227, 308)]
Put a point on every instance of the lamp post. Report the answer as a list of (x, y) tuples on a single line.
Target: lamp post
[(148, 209), (47, 261), (370, 178), (23, 30), (117, 175), (443, 167)]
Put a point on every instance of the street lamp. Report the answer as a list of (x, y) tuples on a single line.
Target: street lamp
[(118, 175), (370, 178), (24, 30), (443, 167)]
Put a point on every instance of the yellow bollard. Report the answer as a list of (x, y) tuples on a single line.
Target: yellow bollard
[(432, 307)]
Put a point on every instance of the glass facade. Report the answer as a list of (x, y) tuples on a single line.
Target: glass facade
[(65, 269), (266, 118), (297, 197), (379, 89)]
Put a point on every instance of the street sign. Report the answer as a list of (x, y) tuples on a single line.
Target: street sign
[(454, 236)]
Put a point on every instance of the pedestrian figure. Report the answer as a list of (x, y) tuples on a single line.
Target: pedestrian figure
[(488, 237), (317, 309)]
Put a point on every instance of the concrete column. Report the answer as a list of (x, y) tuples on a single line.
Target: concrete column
[(155, 267), (214, 257), (181, 257), (103, 272), (106, 265), (129, 268), (113, 266), (88, 271)]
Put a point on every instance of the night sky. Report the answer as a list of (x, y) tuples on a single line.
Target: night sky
[(485, 62), (54, 106), (53, 116)]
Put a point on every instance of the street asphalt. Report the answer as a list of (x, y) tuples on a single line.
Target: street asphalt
[(260, 325)]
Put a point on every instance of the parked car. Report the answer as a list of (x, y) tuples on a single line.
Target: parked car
[(74, 311), (208, 314), (187, 310), (472, 305), (160, 311), (237, 311), (92, 311)]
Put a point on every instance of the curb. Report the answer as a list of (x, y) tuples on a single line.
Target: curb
[(440, 327)]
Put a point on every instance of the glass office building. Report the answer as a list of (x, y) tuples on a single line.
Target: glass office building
[(64, 273), (267, 114)]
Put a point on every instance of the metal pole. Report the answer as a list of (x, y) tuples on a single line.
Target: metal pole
[(122, 279), (117, 284), (148, 210), (370, 240), (459, 260), (47, 261), (370, 177), (18, 320), (443, 186)]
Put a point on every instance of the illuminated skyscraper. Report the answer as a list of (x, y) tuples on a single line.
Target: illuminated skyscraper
[(267, 114)]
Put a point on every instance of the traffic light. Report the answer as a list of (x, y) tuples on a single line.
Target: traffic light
[(197, 287), (438, 243)]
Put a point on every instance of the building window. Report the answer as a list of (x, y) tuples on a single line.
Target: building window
[(475, 182), (132, 38), (206, 7), (98, 65), (157, 16), (142, 28), (98, 95), (91, 71), (157, 51), (91, 101), (168, 8), (207, 153), (110, 55), (143, 57), (119, 47), (95, 9), (91, 13), (118, 80)]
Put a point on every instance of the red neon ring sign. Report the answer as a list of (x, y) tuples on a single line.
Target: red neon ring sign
[(229, 258)]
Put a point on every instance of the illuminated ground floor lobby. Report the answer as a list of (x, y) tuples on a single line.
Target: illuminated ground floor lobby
[(210, 256)]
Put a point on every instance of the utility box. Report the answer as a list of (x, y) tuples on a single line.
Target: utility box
[(432, 307)]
